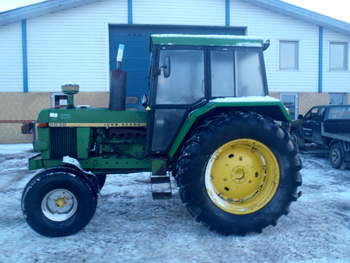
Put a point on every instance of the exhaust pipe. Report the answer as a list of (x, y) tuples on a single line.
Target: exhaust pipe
[(117, 90)]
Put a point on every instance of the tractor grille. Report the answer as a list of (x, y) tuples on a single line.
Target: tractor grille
[(63, 142)]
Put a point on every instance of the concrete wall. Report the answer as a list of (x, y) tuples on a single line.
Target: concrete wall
[(307, 100), (18, 107)]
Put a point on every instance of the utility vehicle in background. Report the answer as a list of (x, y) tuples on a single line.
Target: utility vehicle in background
[(207, 121), (328, 126)]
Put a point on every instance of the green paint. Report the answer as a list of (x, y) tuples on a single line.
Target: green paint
[(159, 166), (125, 155), (42, 144), (116, 165), (274, 109), (91, 115), (193, 40), (83, 142)]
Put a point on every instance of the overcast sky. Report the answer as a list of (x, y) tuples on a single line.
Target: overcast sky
[(336, 8)]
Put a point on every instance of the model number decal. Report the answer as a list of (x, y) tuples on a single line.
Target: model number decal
[(106, 125)]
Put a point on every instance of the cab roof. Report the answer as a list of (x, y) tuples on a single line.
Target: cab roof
[(206, 40)]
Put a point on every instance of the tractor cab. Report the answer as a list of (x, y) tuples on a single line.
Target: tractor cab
[(190, 70)]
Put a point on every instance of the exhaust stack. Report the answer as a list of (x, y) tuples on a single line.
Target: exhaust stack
[(117, 91)]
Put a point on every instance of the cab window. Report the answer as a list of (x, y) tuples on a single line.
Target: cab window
[(181, 77), (315, 114)]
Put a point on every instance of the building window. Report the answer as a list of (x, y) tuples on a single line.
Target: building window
[(289, 55), (338, 98), (338, 56), (291, 102)]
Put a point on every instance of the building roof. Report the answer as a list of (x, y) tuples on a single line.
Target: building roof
[(39, 9), (278, 6), (206, 40), (303, 14)]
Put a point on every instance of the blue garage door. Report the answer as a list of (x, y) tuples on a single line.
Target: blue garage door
[(137, 49)]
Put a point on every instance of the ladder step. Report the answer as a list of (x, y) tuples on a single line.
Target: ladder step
[(161, 195), (160, 179), (161, 186)]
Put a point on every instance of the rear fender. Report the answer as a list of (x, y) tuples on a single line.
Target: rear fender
[(265, 106)]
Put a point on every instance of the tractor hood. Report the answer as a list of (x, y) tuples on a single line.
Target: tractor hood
[(92, 117)]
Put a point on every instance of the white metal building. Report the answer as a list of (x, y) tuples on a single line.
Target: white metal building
[(48, 44)]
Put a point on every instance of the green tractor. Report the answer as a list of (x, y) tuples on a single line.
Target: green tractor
[(207, 121)]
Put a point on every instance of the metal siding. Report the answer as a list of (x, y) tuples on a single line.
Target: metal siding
[(11, 79), (179, 12), (72, 46), (335, 81), (276, 27)]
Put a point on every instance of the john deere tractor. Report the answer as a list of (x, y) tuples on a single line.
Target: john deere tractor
[(207, 121)]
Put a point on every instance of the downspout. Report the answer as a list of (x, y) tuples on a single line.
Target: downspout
[(320, 60), (130, 14), (227, 12), (24, 55)]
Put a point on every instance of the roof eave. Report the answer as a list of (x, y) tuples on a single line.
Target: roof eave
[(303, 14), (39, 9)]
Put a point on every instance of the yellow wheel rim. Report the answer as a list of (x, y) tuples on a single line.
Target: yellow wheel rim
[(242, 176)]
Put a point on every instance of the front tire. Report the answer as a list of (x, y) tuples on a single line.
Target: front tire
[(58, 202), (238, 173), (101, 179)]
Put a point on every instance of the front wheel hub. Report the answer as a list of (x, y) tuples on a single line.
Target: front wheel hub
[(242, 176), (59, 205)]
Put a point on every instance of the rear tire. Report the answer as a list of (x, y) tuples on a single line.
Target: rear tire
[(58, 202), (336, 155), (229, 215)]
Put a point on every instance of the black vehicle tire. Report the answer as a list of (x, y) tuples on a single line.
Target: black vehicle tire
[(336, 155), (297, 139), (101, 178), (58, 202), (196, 155)]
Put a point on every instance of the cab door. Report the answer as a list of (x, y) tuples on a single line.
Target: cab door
[(312, 124), (178, 84), (309, 123), (316, 133)]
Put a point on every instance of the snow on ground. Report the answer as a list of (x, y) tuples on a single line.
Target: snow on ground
[(130, 226)]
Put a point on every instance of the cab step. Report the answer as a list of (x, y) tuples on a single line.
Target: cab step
[(161, 195), (161, 187)]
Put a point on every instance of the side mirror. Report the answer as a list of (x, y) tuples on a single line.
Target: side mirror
[(166, 68), (144, 100), (300, 117)]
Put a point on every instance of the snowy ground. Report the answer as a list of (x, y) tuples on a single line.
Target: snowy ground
[(130, 227)]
